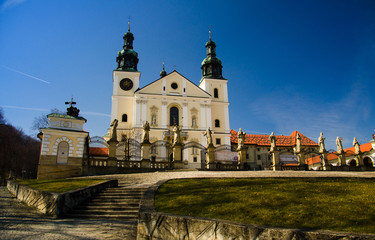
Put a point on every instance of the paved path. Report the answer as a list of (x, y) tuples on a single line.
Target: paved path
[(20, 222)]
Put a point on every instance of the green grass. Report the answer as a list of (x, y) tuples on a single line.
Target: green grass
[(331, 204), (59, 185)]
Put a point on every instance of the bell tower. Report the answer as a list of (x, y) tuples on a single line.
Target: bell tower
[(125, 82), (215, 84)]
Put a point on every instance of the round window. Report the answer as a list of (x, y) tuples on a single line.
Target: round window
[(174, 85)]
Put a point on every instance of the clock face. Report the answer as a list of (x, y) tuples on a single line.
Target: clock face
[(126, 84)]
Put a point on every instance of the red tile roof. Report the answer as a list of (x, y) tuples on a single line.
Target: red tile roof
[(96, 151), (348, 152), (282, 141)]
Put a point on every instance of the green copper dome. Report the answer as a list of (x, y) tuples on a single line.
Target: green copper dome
[(127, 58), (211, 65)]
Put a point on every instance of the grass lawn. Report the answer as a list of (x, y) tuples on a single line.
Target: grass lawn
[(59, 185), (331, 204)]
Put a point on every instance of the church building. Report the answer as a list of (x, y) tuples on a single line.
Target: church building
[(168, 101)]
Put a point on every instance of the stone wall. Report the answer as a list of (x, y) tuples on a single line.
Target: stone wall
[(48, 169), (153, 225), (55, 204), (170, 227)]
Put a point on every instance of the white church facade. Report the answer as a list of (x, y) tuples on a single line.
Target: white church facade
[(168, 101)]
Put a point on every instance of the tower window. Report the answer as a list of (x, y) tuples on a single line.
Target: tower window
[(195, 159), (218, 141), (173, 116), (216, 93), (217, 123), (124, 117)]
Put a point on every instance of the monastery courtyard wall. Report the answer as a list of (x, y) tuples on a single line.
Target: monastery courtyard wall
[(23, 222)]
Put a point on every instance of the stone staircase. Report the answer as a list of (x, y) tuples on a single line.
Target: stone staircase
[(111, 204)]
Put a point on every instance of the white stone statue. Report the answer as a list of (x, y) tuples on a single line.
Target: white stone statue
[(322, 147), (153, 120), (298, 143), (208, 134), (113, 133), (177, 135), (241, 138), (146, 130), (356, 146), (339, 145), (272, 139), (194, 122)]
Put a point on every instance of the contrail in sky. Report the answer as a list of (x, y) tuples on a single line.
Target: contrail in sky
[(96, 114), (25, 74), (24, 108), (46, 110)]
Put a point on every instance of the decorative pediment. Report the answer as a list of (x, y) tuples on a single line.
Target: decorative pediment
[(154, 109), (174, 84), (193, 110)]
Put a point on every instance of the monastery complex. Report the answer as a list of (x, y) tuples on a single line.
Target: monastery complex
[(174, 123)]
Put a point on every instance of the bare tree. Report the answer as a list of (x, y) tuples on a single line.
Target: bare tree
[(42, 121), (2, 118)]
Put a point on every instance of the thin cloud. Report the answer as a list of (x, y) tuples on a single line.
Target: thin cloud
[(25, 74), (10, 3), (25, 108)]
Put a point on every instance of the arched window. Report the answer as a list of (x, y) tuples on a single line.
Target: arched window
[(124, 117), (353, 163), (62, 153), (368, 162), (173, 116), (216, 93), (217, 123)]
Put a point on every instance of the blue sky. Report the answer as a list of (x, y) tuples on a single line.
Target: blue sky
[(291, 65)]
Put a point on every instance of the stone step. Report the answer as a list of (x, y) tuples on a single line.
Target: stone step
[(111, 204), (115, 200), (105, 213), (135, 195), (116, 197), (108, 204), (108, 217), (125, 189), (108, 207)]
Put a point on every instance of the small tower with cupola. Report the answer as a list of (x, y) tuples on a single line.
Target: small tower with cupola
[(215, 84), (64, 145)]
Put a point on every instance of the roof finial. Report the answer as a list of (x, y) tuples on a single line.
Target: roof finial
[(163, 73), (209, 31), (71, 102), (129, 25)]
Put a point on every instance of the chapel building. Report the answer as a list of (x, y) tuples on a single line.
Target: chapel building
[(170, 100)]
